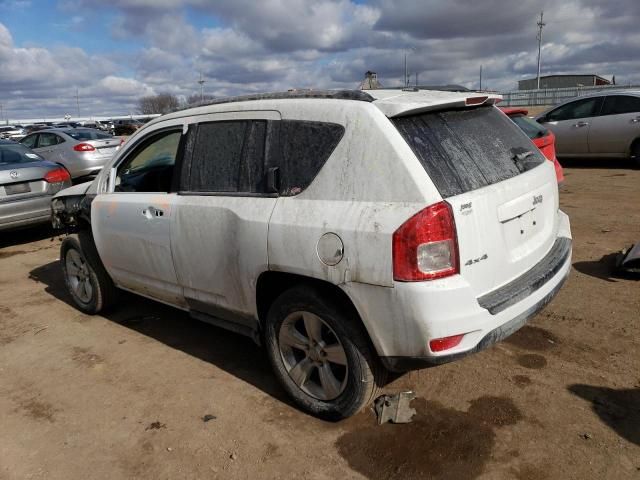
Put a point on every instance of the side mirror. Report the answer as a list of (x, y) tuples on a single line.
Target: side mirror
[(273, 180), (543, 119)]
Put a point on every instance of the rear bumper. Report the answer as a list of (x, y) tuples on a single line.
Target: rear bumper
[(25, 212), (404, 364), (402, 320)]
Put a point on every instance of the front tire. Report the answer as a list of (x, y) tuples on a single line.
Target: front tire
[(86, 279), (321, 354), (635, 153)]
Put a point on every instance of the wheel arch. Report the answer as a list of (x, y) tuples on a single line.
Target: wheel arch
[(272, 284)]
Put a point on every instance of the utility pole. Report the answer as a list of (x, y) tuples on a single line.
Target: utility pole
[(406, 74), (1, 113), (77, 102), (201, 82), (541, 25), (480, 77)]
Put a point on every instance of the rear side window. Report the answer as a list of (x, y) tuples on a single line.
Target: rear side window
[(619, 104), (49, 140), (305, 147), (463, 150), (529, 126), (587, 107), (217, 155), (11, 154)]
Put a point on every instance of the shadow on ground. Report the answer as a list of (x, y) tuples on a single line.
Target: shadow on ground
[(26, 235), (604, 269), (619, 409), (620, 163), (233, 353)]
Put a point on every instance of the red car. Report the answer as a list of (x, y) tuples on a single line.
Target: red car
[(542, 138)]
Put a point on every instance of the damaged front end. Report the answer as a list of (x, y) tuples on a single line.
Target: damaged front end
[(71, 208)]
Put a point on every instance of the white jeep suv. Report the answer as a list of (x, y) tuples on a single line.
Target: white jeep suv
[(350, 233)]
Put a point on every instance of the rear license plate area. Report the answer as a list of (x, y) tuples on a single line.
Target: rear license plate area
[(17, 188)]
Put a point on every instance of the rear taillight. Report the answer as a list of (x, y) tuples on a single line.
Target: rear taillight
[(425, 247), (58, 175), (84, 147)]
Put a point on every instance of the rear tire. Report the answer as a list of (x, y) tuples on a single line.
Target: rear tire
[(86, 279), (321, 354)]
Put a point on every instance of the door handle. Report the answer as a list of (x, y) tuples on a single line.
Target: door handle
[(581, 124), (635, 120), (151, 212)]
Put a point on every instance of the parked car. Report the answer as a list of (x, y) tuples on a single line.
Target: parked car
[(350, 233), (605, 124), (82, 151), (14, 132), (128, 126), (541, 137), (27, 184)]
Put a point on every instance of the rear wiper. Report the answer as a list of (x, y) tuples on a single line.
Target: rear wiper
[(521, 157)]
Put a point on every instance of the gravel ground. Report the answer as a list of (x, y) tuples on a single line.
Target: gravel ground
[(146, 392)]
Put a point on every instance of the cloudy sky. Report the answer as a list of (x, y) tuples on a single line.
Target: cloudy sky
[(113, 52)]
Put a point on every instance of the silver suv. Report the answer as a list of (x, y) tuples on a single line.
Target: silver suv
[(349, 233)]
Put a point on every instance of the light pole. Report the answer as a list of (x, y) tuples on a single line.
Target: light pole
[(201, 82), (406, 67), (541, 24)]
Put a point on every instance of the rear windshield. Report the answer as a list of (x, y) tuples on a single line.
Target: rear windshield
[(463, 150), (87, 134), (17, 154), (529, 126)]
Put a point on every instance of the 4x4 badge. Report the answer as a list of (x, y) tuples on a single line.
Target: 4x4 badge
[(476, 260), (537, 199)]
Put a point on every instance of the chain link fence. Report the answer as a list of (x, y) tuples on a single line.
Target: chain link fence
[(553, 96)]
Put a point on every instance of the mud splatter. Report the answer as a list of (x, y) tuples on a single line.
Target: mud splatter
[(155, 426), (7, 254), (441, 443), (532, 361), (530, 472), (84, 357), (521, 380), (496, 411), (533, 338), (37, 409)]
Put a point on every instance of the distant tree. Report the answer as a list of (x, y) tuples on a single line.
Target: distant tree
[(161, 103), (195, 99)]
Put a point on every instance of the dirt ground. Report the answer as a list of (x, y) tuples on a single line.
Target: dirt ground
[(146, 392)]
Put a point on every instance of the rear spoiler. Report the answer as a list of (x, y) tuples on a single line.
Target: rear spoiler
[(411, 105)]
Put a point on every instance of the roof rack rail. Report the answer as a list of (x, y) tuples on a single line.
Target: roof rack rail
[(358, 95)]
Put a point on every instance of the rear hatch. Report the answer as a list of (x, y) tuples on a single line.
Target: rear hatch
[(104, 144), (24, 180), (502, 192)]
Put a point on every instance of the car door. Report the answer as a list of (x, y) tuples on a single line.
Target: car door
[(131, 222), (570, 123), (220, 226), (617, 126)]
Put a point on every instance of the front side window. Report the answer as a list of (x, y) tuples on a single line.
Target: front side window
[(584, 108), (620, 104), (29, 141), (150, 167)]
